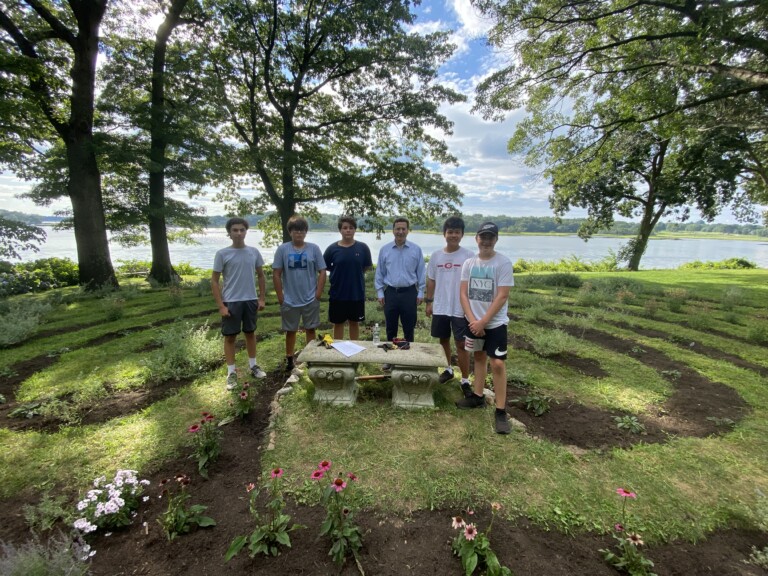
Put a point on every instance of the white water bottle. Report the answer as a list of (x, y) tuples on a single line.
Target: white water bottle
[(376, 333)]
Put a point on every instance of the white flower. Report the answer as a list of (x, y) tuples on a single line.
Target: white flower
[(84, 525), (145, 498), (99, 480), (82, 505), (111, 507)]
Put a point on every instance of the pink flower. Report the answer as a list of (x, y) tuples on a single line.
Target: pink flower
[(243, 395), (470, 531), (635, 539), (194, 428), (352, 476), (618, 527), (495, 506), (470, 512), (339, 484), (205, 414), (458, 522), (325, 465), (318, 474), (276, 472), (250, 487), (208, 417), (624, 493)]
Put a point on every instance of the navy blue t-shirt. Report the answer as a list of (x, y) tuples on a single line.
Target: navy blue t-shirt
[(346, 265)]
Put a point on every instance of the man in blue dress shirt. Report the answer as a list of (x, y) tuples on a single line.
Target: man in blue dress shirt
[(400, 280)]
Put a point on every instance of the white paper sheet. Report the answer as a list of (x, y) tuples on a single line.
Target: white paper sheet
[(348, 348)]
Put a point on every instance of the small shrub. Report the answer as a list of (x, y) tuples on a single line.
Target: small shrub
[(561, 279), (590, 295), (676, 297), (185, 351), (672, 374), (21, 321), (629, 423), (203, 287), (59, 556), (186, 269), (43, 516), (758, 334), (731, 318), (699, 322), (731, 298), (625, 296), (518, 377), (175, 295), (651, 307), (551, 342), (133, 268), (727, 264), (114, 307)]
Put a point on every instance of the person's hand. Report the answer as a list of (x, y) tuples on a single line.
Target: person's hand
[(262, 304), (428, 309), (381, 301), (224, 311)]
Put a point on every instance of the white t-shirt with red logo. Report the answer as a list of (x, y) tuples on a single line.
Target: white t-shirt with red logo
[(445, 269)]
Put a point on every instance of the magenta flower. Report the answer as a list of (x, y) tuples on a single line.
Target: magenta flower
[(618, 527), (325, 465), (276, 472), (194, 428), (318, 474), (458, 522), (470, 531), (205, 414), (339, 484), (352, 476), (624, 493), (250, 487)]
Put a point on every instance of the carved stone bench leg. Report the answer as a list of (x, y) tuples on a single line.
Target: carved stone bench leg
[(334, 383), (412, 387)]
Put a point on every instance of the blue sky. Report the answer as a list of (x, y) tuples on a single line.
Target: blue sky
[(491, 181)]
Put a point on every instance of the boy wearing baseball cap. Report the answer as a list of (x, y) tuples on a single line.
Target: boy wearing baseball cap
[(485, 283)]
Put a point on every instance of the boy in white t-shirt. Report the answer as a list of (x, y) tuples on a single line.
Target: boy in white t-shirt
[(443, 302), (485, 283)]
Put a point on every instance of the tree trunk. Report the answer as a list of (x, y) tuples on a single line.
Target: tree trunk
[(162, 270), (84, 186)]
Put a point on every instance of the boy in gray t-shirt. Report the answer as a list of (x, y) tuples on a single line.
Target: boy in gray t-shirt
[(298, 273), (237, 300)]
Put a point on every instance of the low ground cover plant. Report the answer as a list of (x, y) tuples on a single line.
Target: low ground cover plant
[(474, 547), (185, 351), (273, 527), (21, 320), (57, 556), (179, 516)]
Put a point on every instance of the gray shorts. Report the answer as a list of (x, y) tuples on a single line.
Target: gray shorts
[(308, 315), (241, 314)]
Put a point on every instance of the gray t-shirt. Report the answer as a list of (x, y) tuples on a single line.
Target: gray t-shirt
[(237, 266), (300, 268)]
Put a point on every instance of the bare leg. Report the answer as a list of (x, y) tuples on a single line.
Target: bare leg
[(463, 358), (250, 344), (290, 342), (446, 344), (499, 372), (481, 359), (229, 348), (311, 334), (338, 331), (354, 330)]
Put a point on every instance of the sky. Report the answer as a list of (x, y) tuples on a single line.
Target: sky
[(492, 182)]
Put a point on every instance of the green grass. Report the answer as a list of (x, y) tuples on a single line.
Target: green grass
[(441, 458)]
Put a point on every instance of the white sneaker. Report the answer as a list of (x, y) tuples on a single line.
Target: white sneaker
[(257, 372), (232, 381)]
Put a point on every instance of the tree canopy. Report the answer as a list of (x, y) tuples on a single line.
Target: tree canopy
[(333, 101), (637, 108)]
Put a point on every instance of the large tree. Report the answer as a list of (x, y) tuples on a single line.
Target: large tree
[(48, 54), (592, 70), (156, 114), (334, 101)]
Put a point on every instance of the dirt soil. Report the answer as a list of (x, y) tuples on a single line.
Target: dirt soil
[(418, 544)]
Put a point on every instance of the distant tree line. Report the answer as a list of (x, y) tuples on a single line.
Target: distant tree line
[(509, 224)]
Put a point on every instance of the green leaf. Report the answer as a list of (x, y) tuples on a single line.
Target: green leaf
[(205, 521), (235, 547)]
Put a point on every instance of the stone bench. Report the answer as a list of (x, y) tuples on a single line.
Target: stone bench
[(414, 372)]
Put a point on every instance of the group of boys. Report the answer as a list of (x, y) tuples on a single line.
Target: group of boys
[(465, 295)]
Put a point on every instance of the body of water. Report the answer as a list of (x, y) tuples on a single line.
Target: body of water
[(660, 253)]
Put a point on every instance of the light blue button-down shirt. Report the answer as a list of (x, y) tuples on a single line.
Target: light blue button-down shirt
[(400, 267)]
